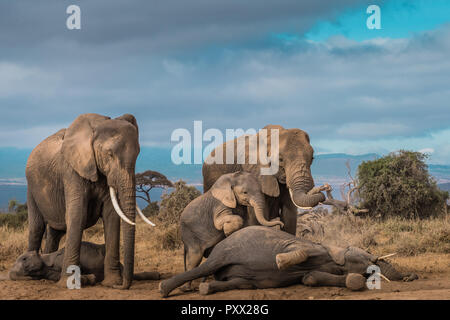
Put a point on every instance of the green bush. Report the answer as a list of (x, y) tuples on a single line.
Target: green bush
[(171, 207), (173, 204), (151, 210), (399, 185)]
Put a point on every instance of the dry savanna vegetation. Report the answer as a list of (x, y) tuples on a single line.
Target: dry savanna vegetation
[(421, 242)]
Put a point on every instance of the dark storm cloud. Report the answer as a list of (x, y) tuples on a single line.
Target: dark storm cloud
[(49, 74), (170, 21), (172, 62)]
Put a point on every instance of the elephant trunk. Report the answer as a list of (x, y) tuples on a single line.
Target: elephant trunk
[(299, 184), (258, 206), (306, 201), (16, 276), (128, 201)]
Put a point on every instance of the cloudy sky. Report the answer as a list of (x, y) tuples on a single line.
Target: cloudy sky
[(307, 64)]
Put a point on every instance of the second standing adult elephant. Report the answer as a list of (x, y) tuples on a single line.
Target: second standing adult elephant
[(294, 175)]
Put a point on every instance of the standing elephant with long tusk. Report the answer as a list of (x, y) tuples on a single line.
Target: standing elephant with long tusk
[(78, 175), (295, 182), (261, 257)]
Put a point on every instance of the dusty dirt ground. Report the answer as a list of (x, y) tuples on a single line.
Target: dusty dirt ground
[(429, 286), (433, 270)]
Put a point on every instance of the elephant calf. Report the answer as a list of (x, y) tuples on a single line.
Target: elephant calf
[(34, 266), (210, 218), (260, 257)]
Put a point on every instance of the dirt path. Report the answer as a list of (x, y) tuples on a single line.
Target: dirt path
[(429, 286)]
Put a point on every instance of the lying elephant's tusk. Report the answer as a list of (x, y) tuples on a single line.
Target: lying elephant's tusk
[(116, 206), (387, 256), (292, 198), (384, 277), (143, 217)]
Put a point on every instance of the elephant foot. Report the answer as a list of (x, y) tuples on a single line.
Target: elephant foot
[(62, 283), (163, 290), (204, 289), (88, 280), (187, 287), (355, 281), (112, 280)]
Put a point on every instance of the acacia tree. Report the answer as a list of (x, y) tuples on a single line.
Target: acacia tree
[(146, 181)]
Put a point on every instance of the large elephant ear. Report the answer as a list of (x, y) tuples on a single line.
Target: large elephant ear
[(130, 118), (337, 254), (253, 162), (269, 185), (77, 147), (222, 190)]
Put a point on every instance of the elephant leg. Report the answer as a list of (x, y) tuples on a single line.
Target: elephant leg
[(205, 269), (52, 240), (231, 224), (352, 281), (36, 224), (219, 286), (88, 280), (76, 212), (111, 225), (288, 214), (194, 255)]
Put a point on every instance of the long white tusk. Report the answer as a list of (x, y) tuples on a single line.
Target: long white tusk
[(116, 206), (384, 277), (141, 214), (387, 256), (292, 198)]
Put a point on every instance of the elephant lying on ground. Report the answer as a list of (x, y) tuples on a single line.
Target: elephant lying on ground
[(34, 266), (261, 257), (209, 218)]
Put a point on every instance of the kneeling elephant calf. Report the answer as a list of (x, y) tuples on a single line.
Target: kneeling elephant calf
[(261, 257), (209, 218), (34, 266)]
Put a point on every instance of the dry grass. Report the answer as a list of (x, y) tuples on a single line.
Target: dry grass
[(422, 245), (13, 242), (405, 237), (155, 246)]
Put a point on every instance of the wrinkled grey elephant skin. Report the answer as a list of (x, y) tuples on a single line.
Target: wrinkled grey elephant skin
[(34, 266), (293, 177), (209, 218), (261, 257), (74, 178)]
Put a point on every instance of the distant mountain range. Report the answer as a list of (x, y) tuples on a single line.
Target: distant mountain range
[(330, 168), (444, 186)]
